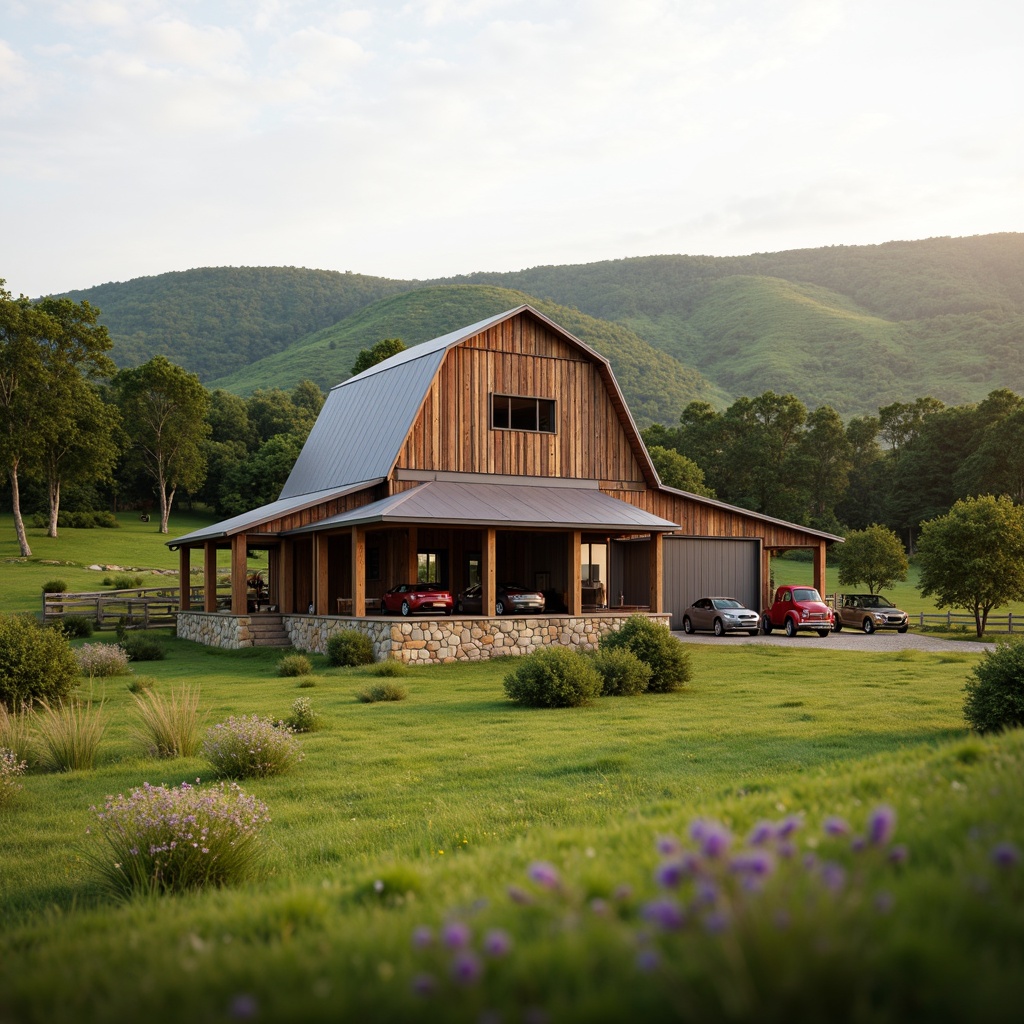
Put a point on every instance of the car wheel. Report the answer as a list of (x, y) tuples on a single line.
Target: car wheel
[(754, 632), (790, 627), (458, 607), (766, 625), (687, 624), (869, 627), (824, 632), (499, 608), (406, 610), (902, 629), (719, 628), (837, 626)]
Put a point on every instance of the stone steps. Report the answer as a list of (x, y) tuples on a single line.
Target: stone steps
[(267, 630)]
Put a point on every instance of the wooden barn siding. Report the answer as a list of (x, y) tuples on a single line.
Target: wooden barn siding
[(520, 357)]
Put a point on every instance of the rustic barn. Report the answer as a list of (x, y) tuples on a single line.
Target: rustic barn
[(501, 451)]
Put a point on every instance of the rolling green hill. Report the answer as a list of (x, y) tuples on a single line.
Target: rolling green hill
[(655, 384)]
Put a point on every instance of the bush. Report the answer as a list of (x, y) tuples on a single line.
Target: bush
[(303, 718), (55, 587), (653, 643), (75, 626), (102, 660), (169, 727), (350, 647), (143, 648), (380, 692), (553, 677), (35, 663), (16, 732), (251, 747), (389, 669), (11, 771), (150, 844), (995, 696), (140, 684), (69, 734), (622, 673), (294, 665), (124, 581)]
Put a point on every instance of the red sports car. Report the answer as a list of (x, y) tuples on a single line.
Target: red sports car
[(410, 598)]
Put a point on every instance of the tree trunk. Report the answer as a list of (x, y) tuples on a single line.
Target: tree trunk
[(19, 523), (166, 500), (53, 493)]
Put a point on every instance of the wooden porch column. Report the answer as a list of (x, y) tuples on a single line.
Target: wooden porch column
[(657, 572), (819, 568), (320, 592), (286, 584), (184, 579), (574, 599), (239, 575), (358, 571), (488, 571), (412, 565), (210, 576), (766, 578)]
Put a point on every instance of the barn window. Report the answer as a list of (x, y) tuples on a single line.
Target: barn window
[(515, 412)]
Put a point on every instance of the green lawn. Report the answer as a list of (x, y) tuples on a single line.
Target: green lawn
[(424, 811)]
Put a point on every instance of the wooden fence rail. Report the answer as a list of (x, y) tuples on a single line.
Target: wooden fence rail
[(138, 606), (1011, 623)]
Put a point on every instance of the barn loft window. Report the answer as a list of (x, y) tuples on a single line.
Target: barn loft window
[(514, 412)]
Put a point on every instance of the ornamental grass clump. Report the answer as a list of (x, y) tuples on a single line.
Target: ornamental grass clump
[(303, 718), (251, 747), (98, 661), (995, 694), (11, 771), (294, 665), (553, 677), (653, 643), (159, 840), (169, 726), (350, 647), (69, 735), (381, 692), (17, 730)]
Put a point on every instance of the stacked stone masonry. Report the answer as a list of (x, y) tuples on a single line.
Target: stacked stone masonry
[(417, 641)]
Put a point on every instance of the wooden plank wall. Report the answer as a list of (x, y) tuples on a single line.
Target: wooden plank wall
[(520, 357)]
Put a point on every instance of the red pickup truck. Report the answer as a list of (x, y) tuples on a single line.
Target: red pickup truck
[(798, 608)]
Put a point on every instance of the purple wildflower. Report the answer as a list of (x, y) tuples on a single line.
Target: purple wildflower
[(881, 825), (669, 874), (835, 826), (422, 937), (833, 876), (789, 825), (716, 922), (899, 854), (621, 893), (667, 846), (466, 967), (599, 906), (243, 1007), (456, 935), (859, 844), (714, 838), (544, 874), (1005, 855), (757, 863), (763, 832), (647, 960), (424, 985), (497, 943), (665, 913), (517, 894)]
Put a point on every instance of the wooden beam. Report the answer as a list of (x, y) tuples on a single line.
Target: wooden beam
[(412, 565), (657, 572), (819, 568), (239, 575), (574, 598), (210, 576), (488, 571), (358, 571), (184, 578), (286, 572), (320, 589), (766, 578)]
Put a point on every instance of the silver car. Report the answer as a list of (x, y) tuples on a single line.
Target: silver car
[(721, 615)]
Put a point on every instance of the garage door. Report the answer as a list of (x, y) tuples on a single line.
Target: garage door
[(709, 567)]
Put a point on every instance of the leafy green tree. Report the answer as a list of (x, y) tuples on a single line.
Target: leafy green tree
[(259, 479), (873, 556), (384, 349), (973, 557), (867, 483), (274, 411), (825, 460), (163, 408), (995, 462), (678, 471)]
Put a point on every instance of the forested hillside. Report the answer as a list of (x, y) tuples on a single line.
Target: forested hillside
[(855, 327), (656, 386)]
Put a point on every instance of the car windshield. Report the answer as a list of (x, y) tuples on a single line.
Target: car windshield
[(805, 594), (876, 601), (726, 602)]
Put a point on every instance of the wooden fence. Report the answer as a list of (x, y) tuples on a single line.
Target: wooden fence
[(139, 606), (1011, 623)]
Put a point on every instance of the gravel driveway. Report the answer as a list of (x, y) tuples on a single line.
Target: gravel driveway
[(847, 640)]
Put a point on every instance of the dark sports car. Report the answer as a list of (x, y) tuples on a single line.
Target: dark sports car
[(509, 598), (410, 598)]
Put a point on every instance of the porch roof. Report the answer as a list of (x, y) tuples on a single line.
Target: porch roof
[(505, 505)]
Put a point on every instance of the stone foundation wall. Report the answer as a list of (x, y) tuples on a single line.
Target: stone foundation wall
[(417, 641)]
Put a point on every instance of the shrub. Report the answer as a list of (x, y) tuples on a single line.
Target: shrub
[(11, 770), (653, 643), (349, 647), (553, 677), (139, 684), (390, 669), (124, 581), (169, 726), (35, 663), (303, 718), (55, 587), (69, 735), (622, 673), (380, 692), (995, 696), (16, 732), (251, 747), (106, 520), (102, 660), (294, 665), (74, 626), (143, 648), (160, 840)]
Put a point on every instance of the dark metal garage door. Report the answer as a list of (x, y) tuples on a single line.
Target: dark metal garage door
[(708, 567)]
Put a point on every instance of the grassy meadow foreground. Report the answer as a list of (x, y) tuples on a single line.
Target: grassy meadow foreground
[(453, 856)]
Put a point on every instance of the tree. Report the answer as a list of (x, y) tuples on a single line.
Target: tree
[(384, 349), (678, 471), (873, 556), (164, 409), (973, 557), (825, 460)]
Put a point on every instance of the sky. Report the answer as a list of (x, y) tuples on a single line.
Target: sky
[(430, 138)]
